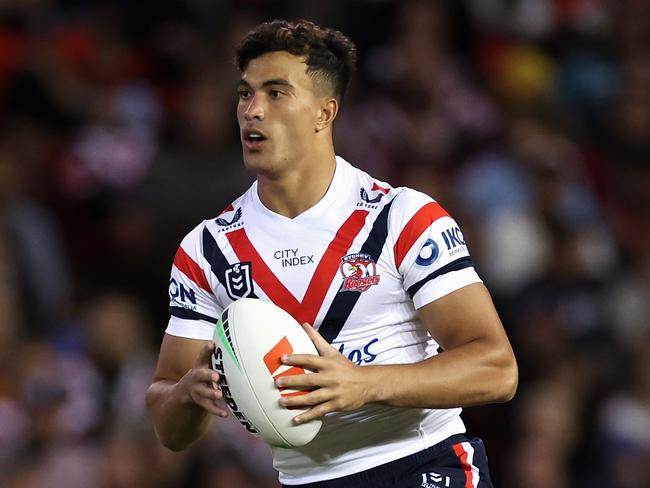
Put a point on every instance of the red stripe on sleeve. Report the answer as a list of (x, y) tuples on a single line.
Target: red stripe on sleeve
[(191, 269), (421, 221), (462, 455)]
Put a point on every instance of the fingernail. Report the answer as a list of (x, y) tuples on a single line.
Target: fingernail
[(215, 378), (297, 420), (284, 357), (283, 402)]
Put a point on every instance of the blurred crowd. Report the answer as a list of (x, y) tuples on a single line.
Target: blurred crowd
[(529, 120)]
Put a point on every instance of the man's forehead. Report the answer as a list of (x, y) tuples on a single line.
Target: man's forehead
[(277, 65)]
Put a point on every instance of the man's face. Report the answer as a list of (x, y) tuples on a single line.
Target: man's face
[(277, 112)]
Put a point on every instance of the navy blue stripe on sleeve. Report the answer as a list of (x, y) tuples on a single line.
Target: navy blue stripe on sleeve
[(184, 313), (457, 265)]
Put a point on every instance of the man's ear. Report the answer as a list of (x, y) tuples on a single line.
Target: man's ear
[(327, 113)]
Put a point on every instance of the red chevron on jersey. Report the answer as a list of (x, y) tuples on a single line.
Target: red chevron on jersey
[(191, 269), (421, 221), (306, 310)]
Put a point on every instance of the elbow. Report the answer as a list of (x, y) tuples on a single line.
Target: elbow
[(508, 381)]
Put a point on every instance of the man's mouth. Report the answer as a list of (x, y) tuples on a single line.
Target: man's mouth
[(253, 139)]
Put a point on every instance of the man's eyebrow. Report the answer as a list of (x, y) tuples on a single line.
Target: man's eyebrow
[(275, 81)]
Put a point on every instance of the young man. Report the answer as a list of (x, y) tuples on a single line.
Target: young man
[(382, 274)]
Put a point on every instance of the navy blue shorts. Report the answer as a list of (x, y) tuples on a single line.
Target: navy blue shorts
[(456, 462)]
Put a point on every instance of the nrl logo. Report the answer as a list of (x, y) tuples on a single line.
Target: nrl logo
[(239, 281), (359, 272), (224, 222)]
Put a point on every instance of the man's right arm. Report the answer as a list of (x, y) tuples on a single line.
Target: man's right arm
[(184, 394)]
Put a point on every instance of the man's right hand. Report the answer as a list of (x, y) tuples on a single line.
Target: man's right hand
[(200, 384)]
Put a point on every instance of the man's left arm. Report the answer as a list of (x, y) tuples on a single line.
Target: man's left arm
[(477, 366)]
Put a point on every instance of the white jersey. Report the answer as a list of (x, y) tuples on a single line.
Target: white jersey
[(357, 265)]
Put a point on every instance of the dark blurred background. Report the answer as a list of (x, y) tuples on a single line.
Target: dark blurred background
[(529, 120)]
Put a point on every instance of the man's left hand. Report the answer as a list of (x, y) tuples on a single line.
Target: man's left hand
[(337, 383)]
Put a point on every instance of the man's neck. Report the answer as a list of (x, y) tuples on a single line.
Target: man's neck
[(299, 189)]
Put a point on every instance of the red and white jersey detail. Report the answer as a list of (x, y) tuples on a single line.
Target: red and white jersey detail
[(357, 265)]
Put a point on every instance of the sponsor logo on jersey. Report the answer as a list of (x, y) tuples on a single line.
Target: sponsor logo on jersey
[(230, 224), (435, 480), (429, 253), (371, 201), (359, 272), (181, 295), (362, 354), (217, 365), (239, 280), (454, 241), (289, 257), (278, 370)]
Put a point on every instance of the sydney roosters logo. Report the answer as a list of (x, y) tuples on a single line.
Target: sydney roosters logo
[(359, 272)]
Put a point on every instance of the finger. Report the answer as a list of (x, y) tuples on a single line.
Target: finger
[(321, 395), (300, 381), (308, 361), (323, 347), (315, 413), (212, 408), (203, 359), (205, 375), (201, 391)]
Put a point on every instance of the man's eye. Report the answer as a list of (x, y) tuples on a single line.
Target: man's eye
[(243, 93), (275, 93)]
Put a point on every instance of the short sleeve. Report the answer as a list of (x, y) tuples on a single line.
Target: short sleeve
[(192, 304), (429, 249)]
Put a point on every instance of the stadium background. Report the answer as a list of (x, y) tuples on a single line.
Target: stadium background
[(528, 119)]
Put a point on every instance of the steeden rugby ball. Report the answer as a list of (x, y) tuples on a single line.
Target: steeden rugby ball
[(250, 338)]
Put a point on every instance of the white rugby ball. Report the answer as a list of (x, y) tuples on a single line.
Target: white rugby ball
[(250, 338)]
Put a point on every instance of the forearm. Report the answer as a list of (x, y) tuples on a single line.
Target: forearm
[(472, 374), (178, 421)]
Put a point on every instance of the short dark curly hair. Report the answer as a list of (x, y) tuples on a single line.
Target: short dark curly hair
[(330, 55)]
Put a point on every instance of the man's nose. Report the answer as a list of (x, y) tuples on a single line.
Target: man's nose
[(255, 109)]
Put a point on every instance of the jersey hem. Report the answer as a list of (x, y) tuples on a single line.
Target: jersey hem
[(454, 426)]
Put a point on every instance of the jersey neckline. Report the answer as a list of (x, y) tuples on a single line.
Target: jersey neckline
[(324, 202)]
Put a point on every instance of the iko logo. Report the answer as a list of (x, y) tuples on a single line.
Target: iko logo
[(431, 480), (178, 292), (225, 223), (239, 280), (429, 253), (453, 237), (359, 272), (363, 355), (278, 370)]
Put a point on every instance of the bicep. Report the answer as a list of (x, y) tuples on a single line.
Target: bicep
[(465, 315), (177, 356)]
